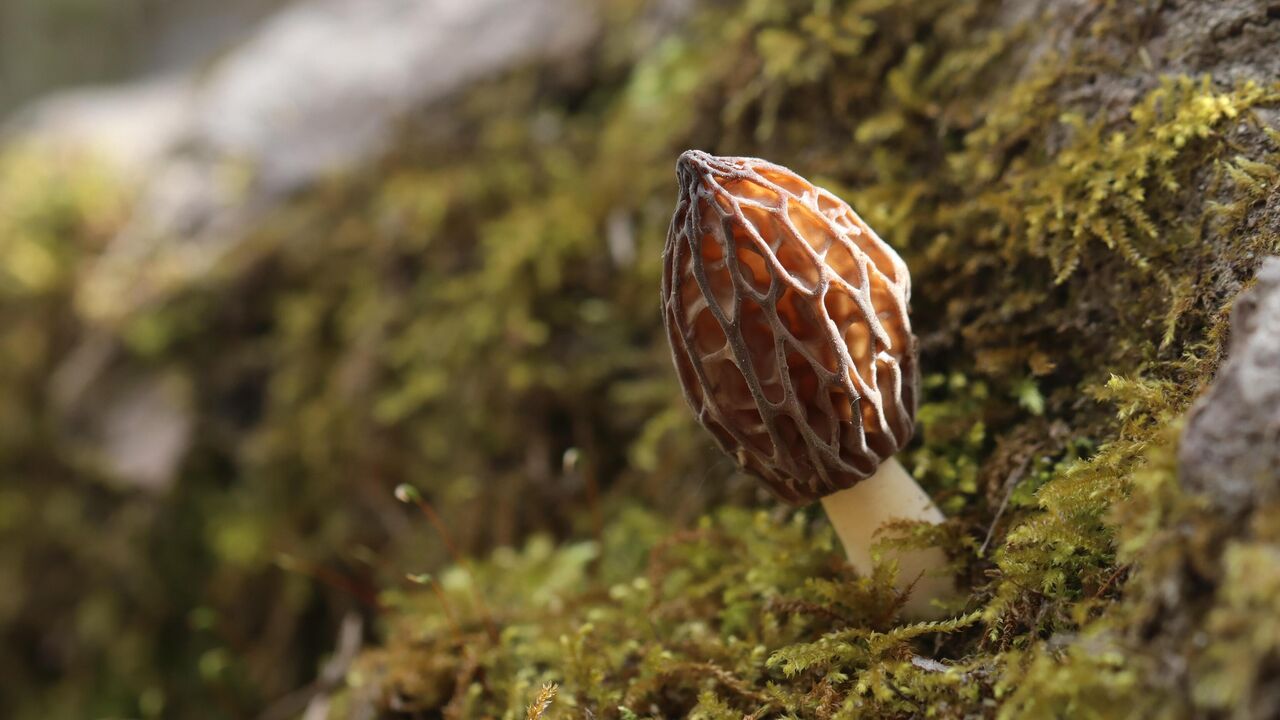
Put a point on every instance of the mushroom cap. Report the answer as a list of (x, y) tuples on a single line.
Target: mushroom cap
[(788, 324)]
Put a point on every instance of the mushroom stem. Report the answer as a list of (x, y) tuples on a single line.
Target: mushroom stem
[(857, 513)]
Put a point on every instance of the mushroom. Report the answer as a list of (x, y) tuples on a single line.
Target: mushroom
[(787, 317)]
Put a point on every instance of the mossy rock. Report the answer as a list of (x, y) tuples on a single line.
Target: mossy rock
[(1081, 190)]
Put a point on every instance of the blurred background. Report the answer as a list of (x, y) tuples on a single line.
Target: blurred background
[(50, 44), (263, 261)]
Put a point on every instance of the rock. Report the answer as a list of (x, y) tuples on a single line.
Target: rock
[(320, 88), (1230, 450), (131, 127)]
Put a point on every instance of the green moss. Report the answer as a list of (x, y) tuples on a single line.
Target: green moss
[(1022, 219), (479, 321), (741, 613)]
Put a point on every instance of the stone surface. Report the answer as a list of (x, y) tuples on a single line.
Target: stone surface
[(131, 127), (1230, 448), (322, 87)]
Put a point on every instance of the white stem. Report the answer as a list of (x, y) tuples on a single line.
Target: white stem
[(859, 512)]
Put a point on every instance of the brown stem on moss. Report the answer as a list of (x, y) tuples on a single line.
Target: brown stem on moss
[(361, 592), (408, 493), (859, 512)]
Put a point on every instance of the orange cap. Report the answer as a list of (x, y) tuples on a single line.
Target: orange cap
[(788, 324)]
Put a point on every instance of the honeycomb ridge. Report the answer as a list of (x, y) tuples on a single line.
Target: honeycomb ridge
[(787, 317)]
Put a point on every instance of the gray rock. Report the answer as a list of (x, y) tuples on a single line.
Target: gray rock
[(132, 127), (321, 85), (320, 88), (1230, 450)]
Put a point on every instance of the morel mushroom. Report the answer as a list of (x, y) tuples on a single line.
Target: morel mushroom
[(788, 324)]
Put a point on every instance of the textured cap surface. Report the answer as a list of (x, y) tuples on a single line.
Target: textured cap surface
[(787, 318)]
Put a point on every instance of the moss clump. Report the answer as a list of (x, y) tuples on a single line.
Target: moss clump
[(744, 613), (1024, 217), (480, 321)]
